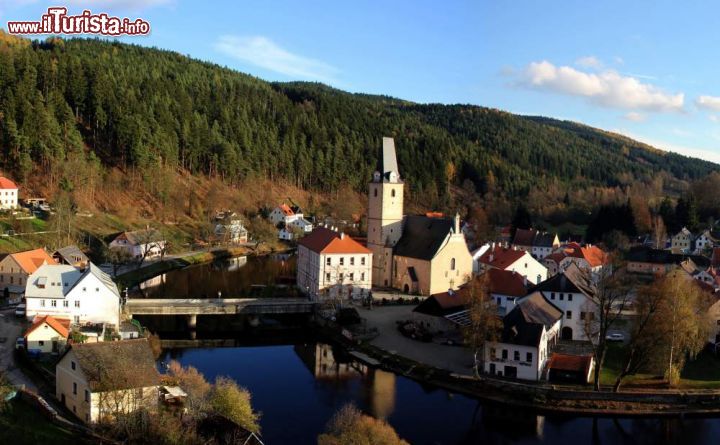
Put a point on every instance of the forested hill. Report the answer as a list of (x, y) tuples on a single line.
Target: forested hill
[(136, 107)]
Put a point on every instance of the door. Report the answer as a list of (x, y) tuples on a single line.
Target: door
[(492, 368), (511, 371), (566, 333)]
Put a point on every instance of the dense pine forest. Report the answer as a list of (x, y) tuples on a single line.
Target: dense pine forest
[(72, 109)]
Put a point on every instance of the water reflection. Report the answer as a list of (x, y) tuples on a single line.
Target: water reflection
[(228, 278), (298, 387)]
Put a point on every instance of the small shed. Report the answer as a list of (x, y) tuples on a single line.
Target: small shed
[(566, 368)]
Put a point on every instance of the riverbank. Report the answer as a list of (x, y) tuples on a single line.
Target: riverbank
[(540, 397), (134, 277)]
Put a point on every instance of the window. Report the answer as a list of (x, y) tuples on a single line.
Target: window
[(539, 278), (552, 295), (42, 303), (525, 265), (74, 388), (582, 315), (53, 303), (342, 260), (77, 303), (568, 315), (76, 319), (452, 264), (66, 303), (328, 261), (562, 297), (492, 353), (362, 261), (84, 289), (528, 357), (516, 356), (72, 365), (352, 260), (569, 297), (327, 277), (97, 289), (41, 343), (362, 276), (375, 193), (352, 276), (341, 277), (505, 354)]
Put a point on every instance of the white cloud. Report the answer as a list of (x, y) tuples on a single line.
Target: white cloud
[(263, 52), (589, 62), (634, 116), (714, 118), (708, 103), (607, 88)]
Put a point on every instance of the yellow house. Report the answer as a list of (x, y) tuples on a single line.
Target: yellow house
[(98, 381), (431, 256), (47, 334)]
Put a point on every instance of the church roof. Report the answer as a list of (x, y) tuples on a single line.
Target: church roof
[(389, 159), (422, 237)]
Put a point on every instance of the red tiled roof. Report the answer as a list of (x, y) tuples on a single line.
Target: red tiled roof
[(557, 257), (5, 183), (524, 237), (60, 325), (31, 260), (323, 240), (505, 282), (286, 209), (502, 257), (716, 256), (434, 214), (592, 254), (566, 362)]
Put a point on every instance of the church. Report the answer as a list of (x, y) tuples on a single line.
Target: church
[(420, 255)]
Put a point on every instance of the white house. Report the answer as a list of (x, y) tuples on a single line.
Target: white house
[(477, 253), (514, 260), (705, 241), (284, 213), (506, 288), (538, 244), (571, 291), (333, 264), (148, 243), (302, 224), (101, 380), (529, 330), (682, 241), (8, 194), (47, 334), (232, 231), (588, 257), (62, 291)]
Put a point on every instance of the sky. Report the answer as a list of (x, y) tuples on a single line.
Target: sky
[(645, 69)]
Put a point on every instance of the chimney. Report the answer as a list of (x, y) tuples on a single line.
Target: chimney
[(342, 235)]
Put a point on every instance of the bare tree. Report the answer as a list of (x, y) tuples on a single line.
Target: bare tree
[(608, 295), (485, 324), (659, 232)]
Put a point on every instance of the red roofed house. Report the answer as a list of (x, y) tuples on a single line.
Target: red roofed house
[(514, 260), (47, 334), (565, 368), (588, 258), (332, 264), (17, 267), (8, 194), (506, 288)]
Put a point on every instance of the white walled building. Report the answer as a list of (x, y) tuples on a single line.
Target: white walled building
[(514, 260), (8, 194), (148, 243), (571, 292), (528, 332), (333, 264), (47, 334), (62, 291), (682, 242)]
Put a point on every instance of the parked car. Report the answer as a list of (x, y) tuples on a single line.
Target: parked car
[(20, 343), (615, 336), (20, 310)]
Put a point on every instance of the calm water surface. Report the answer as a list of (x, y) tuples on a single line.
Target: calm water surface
[(298, 383)]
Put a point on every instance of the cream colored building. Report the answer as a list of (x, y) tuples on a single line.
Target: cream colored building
[(15, 269), (47, 334), (97, 381), (415, 254)]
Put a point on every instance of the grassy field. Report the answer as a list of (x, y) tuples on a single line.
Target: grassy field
[(702, 372), (22, 424)]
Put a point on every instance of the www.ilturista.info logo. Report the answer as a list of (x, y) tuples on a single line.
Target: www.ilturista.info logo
[(56, 21)]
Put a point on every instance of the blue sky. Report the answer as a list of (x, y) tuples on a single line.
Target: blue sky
[(647, 69)]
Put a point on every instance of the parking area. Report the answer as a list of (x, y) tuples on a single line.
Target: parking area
[(453, 358), (11, 327)]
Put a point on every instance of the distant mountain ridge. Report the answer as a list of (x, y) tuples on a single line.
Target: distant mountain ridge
[(128, 106)]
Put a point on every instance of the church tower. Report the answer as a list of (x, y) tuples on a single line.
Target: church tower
[(385, 214)]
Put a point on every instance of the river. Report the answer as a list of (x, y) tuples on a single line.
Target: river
[(298, 382)]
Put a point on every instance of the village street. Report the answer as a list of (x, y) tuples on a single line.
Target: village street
[(10, 329), (453, 358)]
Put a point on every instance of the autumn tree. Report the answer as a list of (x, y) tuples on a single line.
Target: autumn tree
[(194, 384), (233, 402), (485, 324), (350, 427)]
